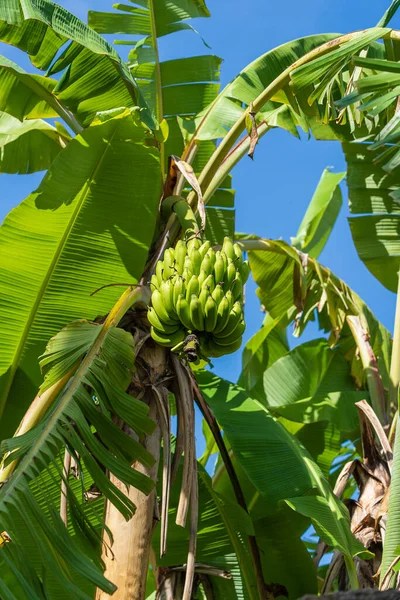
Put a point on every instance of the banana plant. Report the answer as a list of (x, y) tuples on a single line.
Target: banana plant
[(138, 157)]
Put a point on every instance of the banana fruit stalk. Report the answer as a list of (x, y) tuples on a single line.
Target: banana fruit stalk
[(197, 293)]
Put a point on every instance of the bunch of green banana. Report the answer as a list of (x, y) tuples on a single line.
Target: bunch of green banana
[(196, 290)]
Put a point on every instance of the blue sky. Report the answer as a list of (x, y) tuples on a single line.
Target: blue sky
[(274, 190)]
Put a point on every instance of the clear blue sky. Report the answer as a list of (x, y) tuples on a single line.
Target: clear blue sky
[(274, 190)]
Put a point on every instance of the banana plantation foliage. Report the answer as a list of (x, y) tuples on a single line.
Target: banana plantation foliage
[(122, 279)]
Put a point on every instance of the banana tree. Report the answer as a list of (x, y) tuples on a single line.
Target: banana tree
[(97, 497)]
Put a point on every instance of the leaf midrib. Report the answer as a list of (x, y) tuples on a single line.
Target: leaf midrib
[(43, 288)]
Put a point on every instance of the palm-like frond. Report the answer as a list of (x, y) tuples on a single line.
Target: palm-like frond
[(375, 223), (288, 293), (28, 146), (95, 78), (67, 239), (80, 419), (177, 90)]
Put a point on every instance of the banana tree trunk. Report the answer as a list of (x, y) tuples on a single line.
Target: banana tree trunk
[(126, 556)]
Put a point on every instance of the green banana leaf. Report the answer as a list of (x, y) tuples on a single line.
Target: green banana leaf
[(274, 461), (261, 351), (312, 383), (320, 216), (56, 559), (93, 71), (375, 225), (176, 90), (285, 290), (29, 146), (67, 239), (23, 95)]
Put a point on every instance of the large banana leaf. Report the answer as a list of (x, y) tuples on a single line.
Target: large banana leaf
[(28, 146), (261, 351), (375, 226), (284, 556), (175, 89), (312, 383), (286, 291), (100, 80), (321, 215), (80, 418), (90, 223), (274, 461), (23, 95)]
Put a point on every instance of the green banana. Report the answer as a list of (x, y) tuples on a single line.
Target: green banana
[(169, 263), (180, 255), (229, 297), (168, 340), (227, 248), (230, 272), (154, 320), (154, 284), (160, 272), (194, 242), (210, 314), (204, 295), (195, 258), (209, 284), (158, 305), (237, 287), (192, 287), (238, 255), (204, 248), (179, 288), (196, 314), (224, 308), (235, 316), (167, 295), (232, 337), (202, 277), (206, 264), (197, 290), (218, 293), (186, 275), (183, 310), (245, 271), (219, 268)]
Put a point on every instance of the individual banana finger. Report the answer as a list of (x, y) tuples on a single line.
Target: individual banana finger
[(204, 248), (196, 314), (192, 287), (160, 272), (235, 316), (167, 290), (218, 293), (223, 314), (180, 255), (196, 260), (219, 269), (168, 340), (245, 271), (237, 287), (210, 314), (238, 255), (183, 310), (227, 248), (155, 320), (158, 305), (179, 288)]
